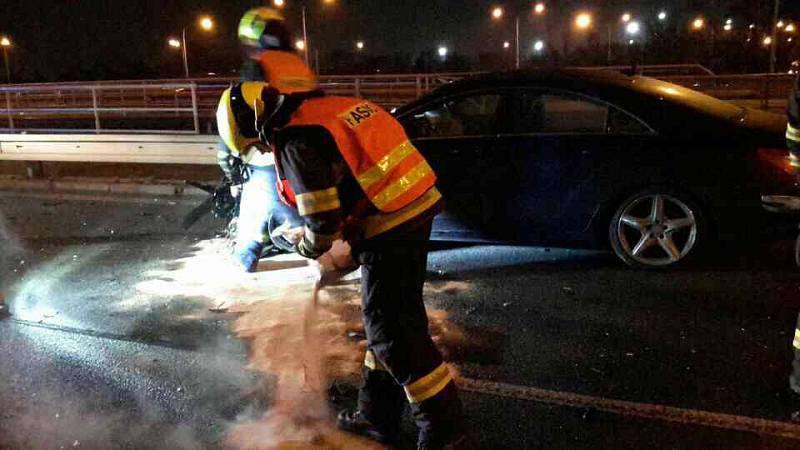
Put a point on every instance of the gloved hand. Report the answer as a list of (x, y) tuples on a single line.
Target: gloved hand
[(292, 235), (334, 264)]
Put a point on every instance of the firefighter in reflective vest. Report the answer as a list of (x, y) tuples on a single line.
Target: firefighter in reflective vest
[(262, 31), (793, 141), (353, 175)]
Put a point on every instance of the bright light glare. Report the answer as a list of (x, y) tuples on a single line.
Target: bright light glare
[(633, 28), (767, 41), (539, 9), (626, 17), (300, 45), (443, 51), (538, 46), (583, 21), (5, 42), (360, 45), (780, 24), (506, 44), (728, 27), (497, 13), (174, 43), (662, 16), (790, 28), (206, 23), (699, 23)]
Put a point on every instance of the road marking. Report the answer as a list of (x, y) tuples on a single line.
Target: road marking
[(633, 409), (110, 198)]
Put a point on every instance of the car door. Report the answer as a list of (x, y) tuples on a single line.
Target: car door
[(554, 164), (455, 134)]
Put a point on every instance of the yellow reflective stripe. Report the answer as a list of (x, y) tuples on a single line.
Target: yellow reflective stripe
[(318, 240), (383, 222), (402, 185), (429, 385), (797, 339), (372, 363), (792, 133), (318, 201), (381, 169)]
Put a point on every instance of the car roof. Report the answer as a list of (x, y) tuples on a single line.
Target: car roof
[(618, 88)]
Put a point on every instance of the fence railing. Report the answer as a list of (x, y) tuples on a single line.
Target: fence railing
[(188, 107)]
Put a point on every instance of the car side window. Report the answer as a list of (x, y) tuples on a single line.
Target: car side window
[(563, 113), (473, 115)]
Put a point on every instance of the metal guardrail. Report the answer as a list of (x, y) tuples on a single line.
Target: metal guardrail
[(167, 106)]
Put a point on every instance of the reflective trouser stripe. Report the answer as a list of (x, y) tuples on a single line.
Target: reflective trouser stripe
[(429, 385), (792, 133), (372, 363), (797, 339)]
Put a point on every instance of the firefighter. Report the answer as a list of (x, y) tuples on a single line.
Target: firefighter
[(252, 173), (793, 141), (352, 173)]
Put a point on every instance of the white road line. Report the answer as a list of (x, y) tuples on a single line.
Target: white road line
[(633, 409)]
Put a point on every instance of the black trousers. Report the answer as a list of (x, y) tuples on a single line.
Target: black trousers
[(795, 378), (402, 360)]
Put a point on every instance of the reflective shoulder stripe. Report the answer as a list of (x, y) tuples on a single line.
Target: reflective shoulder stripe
[(372, 363), (318, 201), (792, 133), (797, 339), (429, 385), (383, 222)]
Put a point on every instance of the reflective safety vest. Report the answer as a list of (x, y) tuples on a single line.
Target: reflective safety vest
[(390, 170)]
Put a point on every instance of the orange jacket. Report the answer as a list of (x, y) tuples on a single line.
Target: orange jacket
[(390, 170)]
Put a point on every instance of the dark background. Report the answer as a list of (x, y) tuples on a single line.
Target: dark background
[(126, 39)]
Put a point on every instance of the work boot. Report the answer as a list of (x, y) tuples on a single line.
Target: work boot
[(354, 421)]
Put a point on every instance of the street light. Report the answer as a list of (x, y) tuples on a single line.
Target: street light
[(174, 42), (279, 3), (538, 46), (300, 45), (5, 42), (443, 52), (583, 21), (767, 41), (662, 16), (790, 28), (506, 45), (633, 28), (497, 13), (206, 24), (698, 24), (626, 17), (360, 45), (539, 9)]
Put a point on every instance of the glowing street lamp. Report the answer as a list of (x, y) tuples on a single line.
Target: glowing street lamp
[(279, 3), (780, 24), (360, 45), (174, 43), (698, 24), (506, 45), (583, 21), (443, 52), (662, 16), (538, 46), (633, 28), (497, 13), (206, 23), (300, 45), (767, 41), (790, 28), (539, 9), (5, 42), (626, 17)]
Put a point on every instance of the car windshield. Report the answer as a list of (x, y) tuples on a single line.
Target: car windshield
[(688, 98)]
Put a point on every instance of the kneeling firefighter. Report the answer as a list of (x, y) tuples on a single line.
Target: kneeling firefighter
[(352, 173), (266, 42)]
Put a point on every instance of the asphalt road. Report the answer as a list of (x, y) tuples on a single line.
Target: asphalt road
[(112, 343)]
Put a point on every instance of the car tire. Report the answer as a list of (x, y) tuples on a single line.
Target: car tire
[(657, 229)]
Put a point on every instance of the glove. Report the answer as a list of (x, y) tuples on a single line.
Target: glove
[(334, 264)]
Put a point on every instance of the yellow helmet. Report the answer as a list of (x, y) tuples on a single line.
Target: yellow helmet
[(265, 28)]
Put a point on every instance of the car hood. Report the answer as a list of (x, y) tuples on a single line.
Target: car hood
[(766, 122)]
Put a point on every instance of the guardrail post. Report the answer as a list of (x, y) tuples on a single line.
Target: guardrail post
[(358, 87), (8, 111), (96, 113), (195, 111), (419, 86)]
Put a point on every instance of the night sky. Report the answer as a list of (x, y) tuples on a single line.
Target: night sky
[(109, 39)]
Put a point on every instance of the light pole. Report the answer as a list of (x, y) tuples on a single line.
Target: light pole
[(773, 51), (5, 42), (497, 14), (306, 44), (206, 24)]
